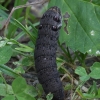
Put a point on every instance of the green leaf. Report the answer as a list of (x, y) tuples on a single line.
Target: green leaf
[(85, 78), (5, 54), (28, 94), (34, 30), (95, 70), (17, 13), (40, 99), (26, 30), (19, 69), (82, 73), (22, 96), (2, 21), (2, 43), (5, 89), (24, 49), (30, 90), (39, 89), (97, 2), (88, 96), (22, 90), (9, 97), (49, 96), (93, 89), (3, 8), (28, 61), (19, 85), (1, 1), (98, 96), (83, 25), (67, 87), (3, 14), (1, 79), (18, 36), (8, 71)]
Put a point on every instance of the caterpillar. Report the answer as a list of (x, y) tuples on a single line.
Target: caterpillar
[(45, 53)]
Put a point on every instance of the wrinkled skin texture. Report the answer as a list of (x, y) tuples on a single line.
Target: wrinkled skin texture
[(45, 53)]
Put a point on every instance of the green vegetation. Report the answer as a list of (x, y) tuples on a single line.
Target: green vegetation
[(79, 41)]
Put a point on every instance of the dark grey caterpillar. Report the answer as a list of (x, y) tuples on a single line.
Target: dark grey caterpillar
[(45, 53)]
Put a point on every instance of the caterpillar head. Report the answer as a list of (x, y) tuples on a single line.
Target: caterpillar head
[(57, 17), (52, 18)]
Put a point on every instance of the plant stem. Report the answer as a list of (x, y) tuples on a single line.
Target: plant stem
[(65, 52), (4, 82)]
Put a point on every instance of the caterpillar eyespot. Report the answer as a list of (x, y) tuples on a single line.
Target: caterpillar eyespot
[(54, 28), (45, 53), (56, 19)]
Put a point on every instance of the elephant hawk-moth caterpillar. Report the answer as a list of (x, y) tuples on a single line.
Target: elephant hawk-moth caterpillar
[(45, 53)]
